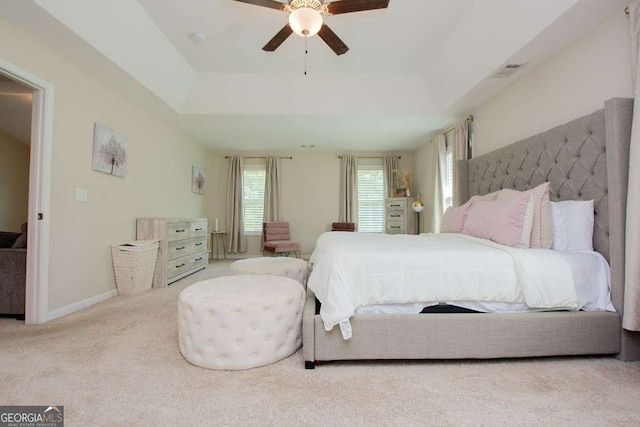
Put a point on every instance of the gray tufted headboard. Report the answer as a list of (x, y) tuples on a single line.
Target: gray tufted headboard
[(584, 159)]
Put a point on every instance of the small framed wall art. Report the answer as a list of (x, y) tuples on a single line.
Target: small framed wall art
[(197, 180), (109, 151)]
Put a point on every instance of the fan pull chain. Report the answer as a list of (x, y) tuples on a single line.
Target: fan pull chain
[(305, 55)]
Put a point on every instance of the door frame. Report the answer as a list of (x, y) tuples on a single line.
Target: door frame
[(37, 286)]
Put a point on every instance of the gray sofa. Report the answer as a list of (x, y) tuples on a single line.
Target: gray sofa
[(13, 269)]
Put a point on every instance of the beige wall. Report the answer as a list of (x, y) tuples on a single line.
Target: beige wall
[(423, 161), (158, 181), (310, 194), (574, 82), (216, 189), (14, 182)]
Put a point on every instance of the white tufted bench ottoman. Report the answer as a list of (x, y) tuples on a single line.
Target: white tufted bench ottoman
[(240, 322), (294, 268)]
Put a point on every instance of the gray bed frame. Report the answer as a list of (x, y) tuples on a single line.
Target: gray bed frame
[(586, 158)]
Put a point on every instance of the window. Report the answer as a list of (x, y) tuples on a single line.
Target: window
[(370, 198), (448, 177), (253, 195)]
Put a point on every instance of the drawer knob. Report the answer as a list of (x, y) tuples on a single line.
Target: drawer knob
[(181, 265), (180, 231), (179, 249), (198, 259), (199, 244), (198, 229)]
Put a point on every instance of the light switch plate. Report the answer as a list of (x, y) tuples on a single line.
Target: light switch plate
[(82, 194)]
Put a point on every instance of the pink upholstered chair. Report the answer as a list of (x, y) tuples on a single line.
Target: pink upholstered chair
[(276, 239)]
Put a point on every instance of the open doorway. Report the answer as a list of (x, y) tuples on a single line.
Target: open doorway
[(16, 103), (39, 186)]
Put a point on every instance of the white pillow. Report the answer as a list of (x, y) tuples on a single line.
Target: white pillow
[(572, 225)]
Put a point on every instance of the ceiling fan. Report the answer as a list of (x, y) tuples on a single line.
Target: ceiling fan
[(305, 19)]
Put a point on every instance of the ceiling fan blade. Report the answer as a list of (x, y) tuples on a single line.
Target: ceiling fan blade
[(265, 3), (348, 6), (278, 39), (331, 39)]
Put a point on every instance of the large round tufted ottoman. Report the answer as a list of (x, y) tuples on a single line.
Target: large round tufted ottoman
[(294, 268), (240, 322)]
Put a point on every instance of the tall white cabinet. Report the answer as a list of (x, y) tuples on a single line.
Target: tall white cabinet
[(183, 246), (399, 217)]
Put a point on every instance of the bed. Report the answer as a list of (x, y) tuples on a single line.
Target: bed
[(590, 150)]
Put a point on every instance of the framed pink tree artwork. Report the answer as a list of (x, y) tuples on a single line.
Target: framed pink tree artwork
[(109, 151), (197, 180)]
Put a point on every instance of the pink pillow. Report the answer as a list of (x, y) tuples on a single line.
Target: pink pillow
[(542, 229), (453, 219), (507, 222)]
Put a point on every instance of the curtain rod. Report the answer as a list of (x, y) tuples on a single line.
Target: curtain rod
[(370, 157), (452, 127), (262, 157)]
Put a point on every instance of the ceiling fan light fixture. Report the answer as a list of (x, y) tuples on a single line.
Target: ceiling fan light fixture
[(305, 21)]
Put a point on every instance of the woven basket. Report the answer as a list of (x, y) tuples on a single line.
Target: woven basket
[(134, 267)]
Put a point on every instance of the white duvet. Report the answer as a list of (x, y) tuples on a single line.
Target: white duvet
[(352, 270)]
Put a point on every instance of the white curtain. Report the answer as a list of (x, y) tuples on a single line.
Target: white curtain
[(390, 174), (439, 171), (272, 185), (235, 206), (348, 190), (460, 144), (631, 316)]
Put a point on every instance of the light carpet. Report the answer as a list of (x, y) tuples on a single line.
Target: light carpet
[(117, 363)]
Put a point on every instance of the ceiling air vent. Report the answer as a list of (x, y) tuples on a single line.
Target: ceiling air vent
[(506, 71)]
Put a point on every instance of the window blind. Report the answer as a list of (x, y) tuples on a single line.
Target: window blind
[(448, 183), (370, 198), (253, 196)]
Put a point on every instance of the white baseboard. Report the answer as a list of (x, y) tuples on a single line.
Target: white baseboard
[(77, 306)]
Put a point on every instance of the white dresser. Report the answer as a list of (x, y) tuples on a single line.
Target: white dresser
[(399, 217), (183, 246)]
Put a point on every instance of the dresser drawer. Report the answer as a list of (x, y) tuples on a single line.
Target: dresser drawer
[(395, 205), (395, 216), (198, 259), (178, 248), (197, 245), (178, 230), (395, 228), (178, 266), (198, 229)]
